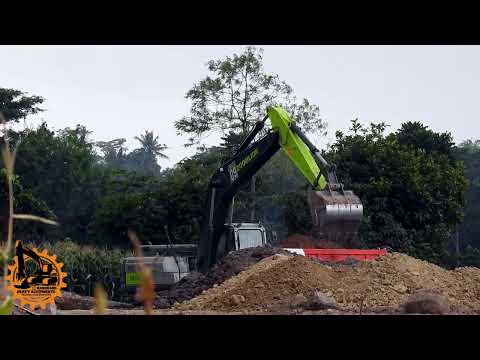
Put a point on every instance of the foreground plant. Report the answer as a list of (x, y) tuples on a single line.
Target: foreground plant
[(8, 157), (147, 286), (101, 299)]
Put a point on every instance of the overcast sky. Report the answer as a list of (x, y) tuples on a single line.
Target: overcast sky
[(120, 91)]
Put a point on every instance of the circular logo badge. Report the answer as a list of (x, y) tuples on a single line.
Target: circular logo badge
[(35, 278)]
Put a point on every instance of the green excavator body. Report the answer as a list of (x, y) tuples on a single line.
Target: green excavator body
[(296, 149), (336, 213)]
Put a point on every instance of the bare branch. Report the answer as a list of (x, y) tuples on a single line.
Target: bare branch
[(34, 218)]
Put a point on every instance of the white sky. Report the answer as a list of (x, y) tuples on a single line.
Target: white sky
[(120, 91)]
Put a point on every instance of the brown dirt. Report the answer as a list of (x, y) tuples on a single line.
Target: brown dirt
[(381, 285), (305, 241), (195, 283), (201, 312)]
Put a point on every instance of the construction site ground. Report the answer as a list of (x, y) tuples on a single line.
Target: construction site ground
[(179, 312), (271, 281)]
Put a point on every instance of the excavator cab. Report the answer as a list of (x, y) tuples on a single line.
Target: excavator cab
[(238, 236)]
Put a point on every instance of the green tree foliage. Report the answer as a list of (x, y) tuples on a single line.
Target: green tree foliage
[(186, 188), (419, 136), (230, 142), (114, 152), (411, 187), (146, 204), (17, 105), (235, 95), (151, 149), (130, 202), (61, 170), (469, 231), (143, 159), (25, 202), (95, 200)]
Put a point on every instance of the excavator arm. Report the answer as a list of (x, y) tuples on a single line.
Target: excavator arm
[(297, 147), (326, 199)]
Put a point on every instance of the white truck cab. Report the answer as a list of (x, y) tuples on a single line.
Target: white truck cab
[(170, 263), (247, 235)]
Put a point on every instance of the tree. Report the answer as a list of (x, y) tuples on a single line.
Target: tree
[(186, 189), (236, 94), (61, 169), (412, 190), (114, 152), (230, 142), (469, 232), (131, 201), (146, 203), (24, 203), (150, 150), (16, 105), (419, 136)]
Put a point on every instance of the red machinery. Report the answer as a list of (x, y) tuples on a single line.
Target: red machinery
[(340, 254)]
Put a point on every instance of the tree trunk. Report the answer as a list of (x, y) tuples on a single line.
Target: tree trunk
[(457, 247), (252, 192)]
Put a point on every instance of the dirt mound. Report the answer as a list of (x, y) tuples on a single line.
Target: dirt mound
[(391, 279), (248, 286), (305, 242), (195, 283), (386, 282)]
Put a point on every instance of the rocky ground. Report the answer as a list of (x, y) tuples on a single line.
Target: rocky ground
[(395, 283), (195, 283), (273, 281)]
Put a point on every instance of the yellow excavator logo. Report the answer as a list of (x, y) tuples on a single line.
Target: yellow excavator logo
[(235, 168), (35, 278), (247, 159)]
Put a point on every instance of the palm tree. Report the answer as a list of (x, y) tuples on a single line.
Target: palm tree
[(150, 150)]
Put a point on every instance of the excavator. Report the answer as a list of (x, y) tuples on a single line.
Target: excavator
[(336, 212)]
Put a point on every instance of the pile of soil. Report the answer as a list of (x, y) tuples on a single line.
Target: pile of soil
[(298, 241), (385, 283), (196, 283)]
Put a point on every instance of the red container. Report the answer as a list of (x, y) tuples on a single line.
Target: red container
[(342, 254)]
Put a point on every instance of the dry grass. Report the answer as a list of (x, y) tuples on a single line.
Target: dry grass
[(147, 286), (8, 157)]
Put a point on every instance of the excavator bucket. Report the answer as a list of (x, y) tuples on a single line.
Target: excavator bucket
[(336, 215)]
